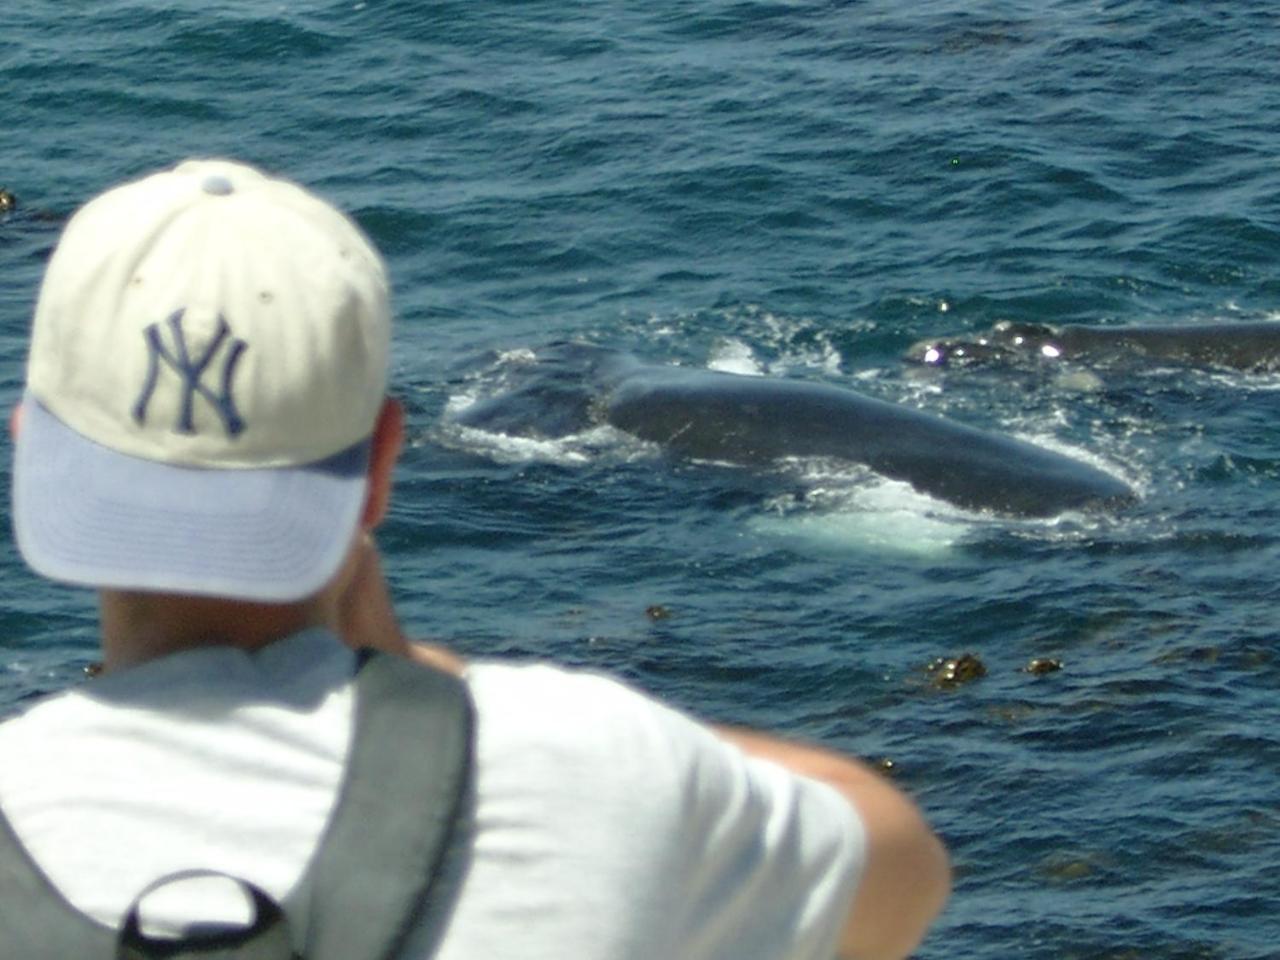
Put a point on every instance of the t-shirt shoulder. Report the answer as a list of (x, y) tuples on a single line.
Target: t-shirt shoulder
[(765, 862)]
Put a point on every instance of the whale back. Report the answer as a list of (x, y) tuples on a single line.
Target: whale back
[(730, 418), (753, 420)]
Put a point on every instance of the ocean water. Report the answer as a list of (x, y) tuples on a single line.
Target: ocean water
[(789, 189)]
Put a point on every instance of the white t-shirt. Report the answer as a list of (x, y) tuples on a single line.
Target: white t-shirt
[(606, 824)]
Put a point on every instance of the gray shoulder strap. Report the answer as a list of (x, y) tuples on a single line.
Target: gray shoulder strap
[(35, 919), (407, 775)]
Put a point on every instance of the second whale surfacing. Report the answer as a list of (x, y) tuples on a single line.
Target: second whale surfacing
[(751, 420), (1248, 346)]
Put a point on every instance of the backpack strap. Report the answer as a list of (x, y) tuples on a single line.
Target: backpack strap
[(36, 919), (408, 773), (407, 778)]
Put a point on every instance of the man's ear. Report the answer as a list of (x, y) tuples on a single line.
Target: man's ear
[(388, 438), (15, 421)]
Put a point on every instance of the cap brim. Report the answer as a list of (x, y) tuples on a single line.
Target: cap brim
[(87, 515)]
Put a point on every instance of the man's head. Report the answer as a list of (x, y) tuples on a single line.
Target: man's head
[(208, 361)]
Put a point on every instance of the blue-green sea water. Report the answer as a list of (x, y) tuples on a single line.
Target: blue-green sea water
[(804, 189)]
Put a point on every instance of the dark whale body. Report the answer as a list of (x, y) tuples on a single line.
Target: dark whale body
[(1249, 346), (756, 420)]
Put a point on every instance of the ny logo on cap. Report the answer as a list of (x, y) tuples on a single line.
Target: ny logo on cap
[(191, 372)]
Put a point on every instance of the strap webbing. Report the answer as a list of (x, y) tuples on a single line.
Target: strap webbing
[(36, 921), (408, 773), (405, 785)]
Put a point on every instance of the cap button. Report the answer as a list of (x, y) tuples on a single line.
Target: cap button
[(218, 186)]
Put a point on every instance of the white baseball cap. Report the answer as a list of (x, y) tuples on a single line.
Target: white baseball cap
[(208, 360)]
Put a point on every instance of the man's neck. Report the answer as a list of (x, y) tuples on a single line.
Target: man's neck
[(137, 627)]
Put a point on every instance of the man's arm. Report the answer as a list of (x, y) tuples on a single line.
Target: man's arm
[(907, 878), (365, 616)]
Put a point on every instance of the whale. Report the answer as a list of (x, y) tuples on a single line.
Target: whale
[(756, 421), (1246, 346)]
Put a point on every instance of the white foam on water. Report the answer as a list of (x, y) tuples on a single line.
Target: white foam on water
[(1267, 381), (858, 531), (775, 345), (461, 401), (731, 355), (572, 450), (734, 356), (875, 516)]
